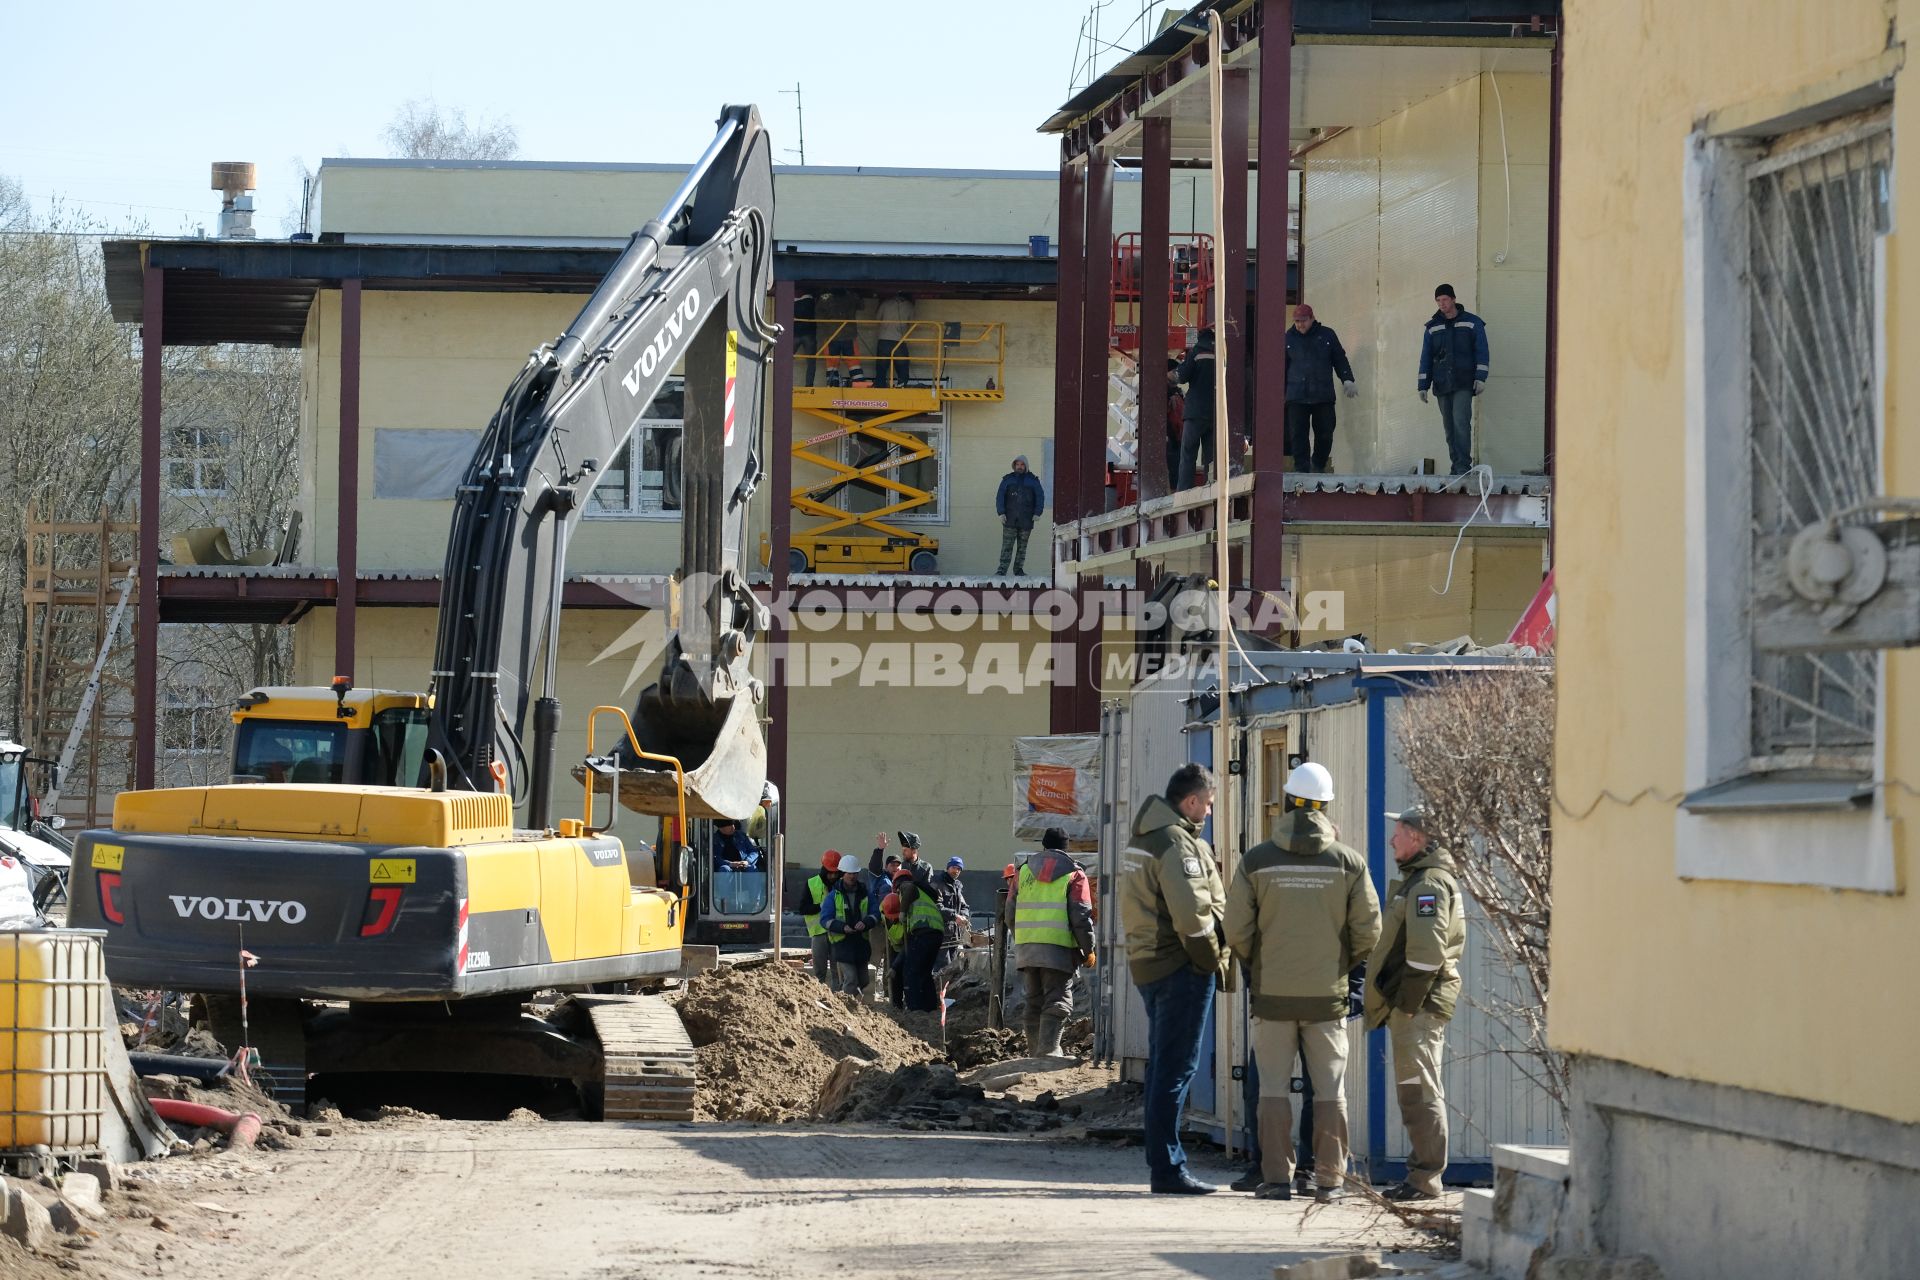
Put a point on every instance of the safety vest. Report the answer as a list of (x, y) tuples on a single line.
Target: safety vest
[(817, 888), (925, 913), (897, 934), (1040, 910)]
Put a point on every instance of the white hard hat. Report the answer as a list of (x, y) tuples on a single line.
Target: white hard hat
[(849, 864), (1311, 781)]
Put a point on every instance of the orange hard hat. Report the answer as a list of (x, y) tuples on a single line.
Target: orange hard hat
[(890, 906), (1010, 872), (902, 874), (830, 860)]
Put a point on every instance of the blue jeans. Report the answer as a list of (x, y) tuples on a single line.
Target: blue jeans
[(1456, 419), (1177, 1008)]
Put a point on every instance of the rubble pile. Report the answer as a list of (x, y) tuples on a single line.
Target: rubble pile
[(931, 1095), (988, 1044), (768, 1037)]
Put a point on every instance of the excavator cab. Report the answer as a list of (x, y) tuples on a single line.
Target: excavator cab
[(374, 737), (733, 906)]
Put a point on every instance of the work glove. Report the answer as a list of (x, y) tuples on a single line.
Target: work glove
[(1479, 385), (1223, 977), (1352, 390), (1356, 991), (1423, 395), (1089, 961)]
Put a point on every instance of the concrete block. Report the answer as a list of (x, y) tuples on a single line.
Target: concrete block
[(82, 1191), (1476, 1227), (1551, 1163), (107, 1173), (1597, 1268), (26, 1222)]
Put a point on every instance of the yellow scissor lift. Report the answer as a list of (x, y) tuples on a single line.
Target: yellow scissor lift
[(937, 362)]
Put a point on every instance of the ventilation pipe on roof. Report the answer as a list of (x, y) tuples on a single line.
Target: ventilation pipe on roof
[(233, 179)]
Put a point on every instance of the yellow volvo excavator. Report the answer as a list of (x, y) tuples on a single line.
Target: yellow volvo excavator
[(365, 876)]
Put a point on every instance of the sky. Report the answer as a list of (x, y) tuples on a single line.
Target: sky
[(118, 108)]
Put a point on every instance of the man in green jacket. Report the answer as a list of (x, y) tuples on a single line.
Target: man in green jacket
[(1413, 981), (1300, 915), (1171, 906)]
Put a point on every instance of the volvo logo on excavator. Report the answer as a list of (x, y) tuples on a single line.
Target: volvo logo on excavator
[(660, 351), (243, 910)]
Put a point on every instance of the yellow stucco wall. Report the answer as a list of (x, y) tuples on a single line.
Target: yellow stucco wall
[(1395, 591), (1794, 991), (442, 361), (524, 199), (1393, 210)]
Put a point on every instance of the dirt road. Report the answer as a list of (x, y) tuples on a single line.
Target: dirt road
[(447, 1199)]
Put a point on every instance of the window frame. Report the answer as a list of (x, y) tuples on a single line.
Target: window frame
[(203, 457), (634, 508), (937, 423), (1741, 819)]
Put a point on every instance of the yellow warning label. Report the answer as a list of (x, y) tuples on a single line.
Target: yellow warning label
[(733, 354), (109, 857), (391, 871)]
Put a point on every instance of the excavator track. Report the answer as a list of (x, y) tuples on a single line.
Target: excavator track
[(648, 1064)]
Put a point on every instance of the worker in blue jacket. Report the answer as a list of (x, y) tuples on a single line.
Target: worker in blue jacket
[(1453, 367), (1314, 358), (1019, 501)]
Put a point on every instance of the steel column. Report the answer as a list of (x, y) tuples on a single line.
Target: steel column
[(780, 529), (146, 650), (1230, 171), (347, 535), (1096, 340), (1267, 532), (1156, 277), (1070, 322)]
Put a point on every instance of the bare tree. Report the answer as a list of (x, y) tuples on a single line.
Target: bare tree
[(422, 129), (1479, 749), (70, 444)]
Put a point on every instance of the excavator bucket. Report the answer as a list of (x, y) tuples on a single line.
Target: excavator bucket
[(719, 745)]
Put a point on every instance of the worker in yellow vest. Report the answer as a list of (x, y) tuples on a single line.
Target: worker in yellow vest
[(920, 951), (812, 894), (896, 946), (1052, 911)]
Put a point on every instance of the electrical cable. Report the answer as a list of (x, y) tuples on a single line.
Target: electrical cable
[(1506, 167), (1485, 473)]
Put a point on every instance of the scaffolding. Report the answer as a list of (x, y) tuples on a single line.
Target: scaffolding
[(75, 573)]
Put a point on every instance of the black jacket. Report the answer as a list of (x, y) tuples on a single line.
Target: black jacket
[(1313, 358), (1197, 371)]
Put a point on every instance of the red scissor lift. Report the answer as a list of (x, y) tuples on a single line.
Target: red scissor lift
[(1189, 307)]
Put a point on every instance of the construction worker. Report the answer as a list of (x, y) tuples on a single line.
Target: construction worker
[(836, 312), (1300, 914), (812, 896), (1018, 502), (926, 929), (896, 946), (896, 317), (848, 916), (1052, 910), (733, 849), (1413, 981), (1172, 906), (1453, 367)]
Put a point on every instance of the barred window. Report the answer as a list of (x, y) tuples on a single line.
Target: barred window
[(1818, 202)]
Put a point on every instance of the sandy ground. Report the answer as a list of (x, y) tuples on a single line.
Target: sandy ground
[(442, 1198)]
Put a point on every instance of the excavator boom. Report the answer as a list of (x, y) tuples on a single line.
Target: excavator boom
[(689, 291)]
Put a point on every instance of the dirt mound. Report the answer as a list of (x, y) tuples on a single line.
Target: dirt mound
[(1078, 1037), (978, 1048), (768, 1037)]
